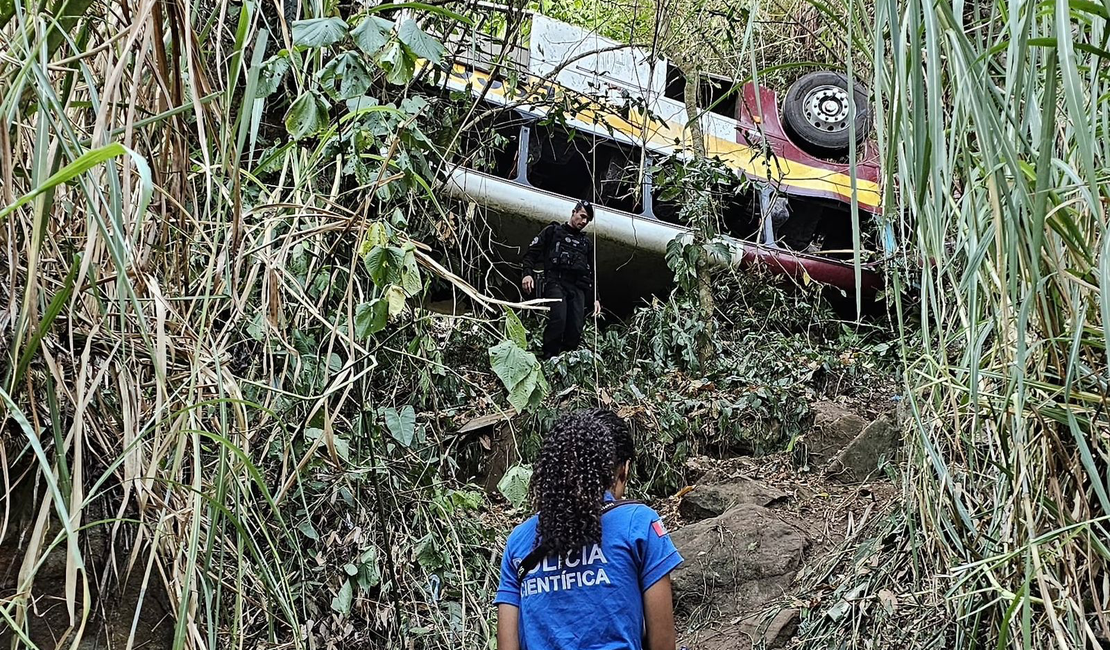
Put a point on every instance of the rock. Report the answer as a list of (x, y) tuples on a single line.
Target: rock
[(753, 632), (781, 628), (714, 495), (743, 558), (860, 457), (718, 637), (833, 428)]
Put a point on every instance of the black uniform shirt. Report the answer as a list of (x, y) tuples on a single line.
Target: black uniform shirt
[(567, 255)]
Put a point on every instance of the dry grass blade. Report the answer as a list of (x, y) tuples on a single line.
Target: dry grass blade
[(181, 323), (1009, 405)]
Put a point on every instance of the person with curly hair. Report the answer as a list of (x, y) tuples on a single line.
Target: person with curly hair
[(589, 571)]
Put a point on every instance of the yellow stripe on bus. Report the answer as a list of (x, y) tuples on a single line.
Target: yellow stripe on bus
[(662, 136)]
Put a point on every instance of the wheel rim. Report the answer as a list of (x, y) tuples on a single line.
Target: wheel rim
[(826, 108)]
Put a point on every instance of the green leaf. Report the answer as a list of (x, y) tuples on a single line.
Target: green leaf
[(385, 263), (419, 42), (410, 275), (342, 600), (371, 317), (413, 106), (514, 329), (521, 374), (521, 395), (350, 569), (397, 63), (541, 391), (57, 303), (377, 264), (350, 71), (342, 447), (273, 71), (80, 165), (307, 530), (514, 485), (307, 116), (256, 329), (395, 299), (400, 424), (428, 554), (511, 363), (318, 32), (455, 500), (361, 105), (372, 34), (369, 575), (378, 233)]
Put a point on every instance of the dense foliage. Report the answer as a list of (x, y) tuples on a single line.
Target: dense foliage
[(228, 403), (224, 395)]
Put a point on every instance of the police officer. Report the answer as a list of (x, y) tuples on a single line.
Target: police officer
[(567, 255)]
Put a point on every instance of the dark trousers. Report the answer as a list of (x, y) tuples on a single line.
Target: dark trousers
[(566, 318)]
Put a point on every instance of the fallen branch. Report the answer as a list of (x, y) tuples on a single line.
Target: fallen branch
[(485, 301)]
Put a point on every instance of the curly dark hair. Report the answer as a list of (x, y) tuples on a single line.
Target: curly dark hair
[(624, 449), (574, 468)]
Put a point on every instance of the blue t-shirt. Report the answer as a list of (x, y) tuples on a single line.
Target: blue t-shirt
[(593, 599)]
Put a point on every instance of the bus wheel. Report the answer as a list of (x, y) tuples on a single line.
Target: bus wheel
[(816, 112)]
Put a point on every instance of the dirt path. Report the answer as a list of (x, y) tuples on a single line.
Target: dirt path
[(753, 530)]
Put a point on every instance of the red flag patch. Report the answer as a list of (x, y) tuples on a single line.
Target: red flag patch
[(657, 526)]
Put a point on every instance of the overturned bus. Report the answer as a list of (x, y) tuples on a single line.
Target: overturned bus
[(579, 116)]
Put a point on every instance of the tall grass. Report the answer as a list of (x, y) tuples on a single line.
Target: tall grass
[(187, 409), (123, 237), (994, 120)]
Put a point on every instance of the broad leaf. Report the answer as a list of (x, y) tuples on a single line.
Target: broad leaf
[(410, 275), (256, 328), (273, 71), (514, 485), (541, 391), (395, 298), (413, 105), (377, 264), (377, 233), (514, 329), (342, 447), (419, 42), (307, 116), (351, 73), (398, 65), (342, 601), (371, 317), (308, 530), (520, 397), (384, 263), (368, 573), (396, 263), (511, 363), (358, 104), (318, 32), (372, 34), (400, 424), (521, 374), (431, 558)]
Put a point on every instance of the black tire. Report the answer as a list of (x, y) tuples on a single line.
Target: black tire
[(815, 113)]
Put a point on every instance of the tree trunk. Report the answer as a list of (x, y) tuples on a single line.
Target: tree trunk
[(699, 216)]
